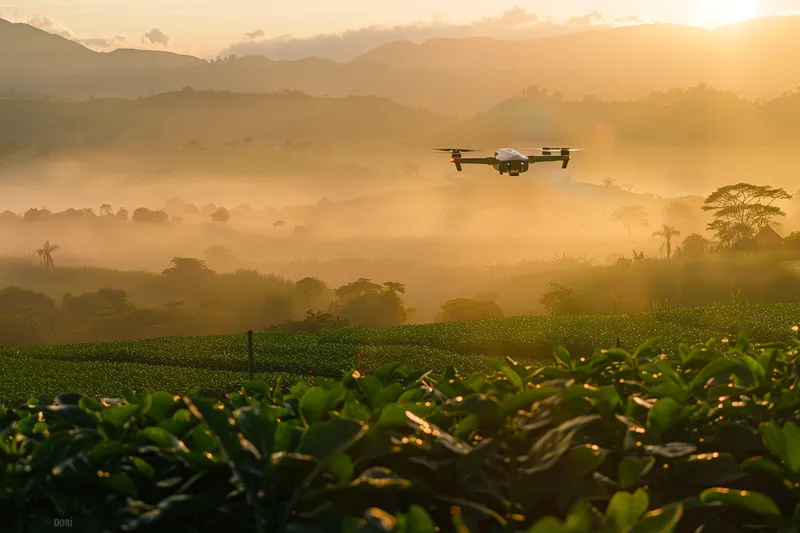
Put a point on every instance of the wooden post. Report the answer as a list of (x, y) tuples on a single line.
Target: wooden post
[(617, 342), (250, 353)]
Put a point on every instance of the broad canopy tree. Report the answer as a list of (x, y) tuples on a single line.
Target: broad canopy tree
[(629, 216), (742, 210), (365, 303)]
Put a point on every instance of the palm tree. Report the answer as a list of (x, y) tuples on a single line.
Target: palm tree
[(46, 253), (667, 233)]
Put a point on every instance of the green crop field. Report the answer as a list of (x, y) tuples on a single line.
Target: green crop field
[(215, 364), (698, 439)]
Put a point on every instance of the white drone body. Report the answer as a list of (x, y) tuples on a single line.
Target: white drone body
[(510, 161)]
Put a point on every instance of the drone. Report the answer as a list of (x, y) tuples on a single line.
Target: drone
[(509, 160)]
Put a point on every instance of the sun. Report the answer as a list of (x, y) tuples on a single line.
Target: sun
[(715, 13)]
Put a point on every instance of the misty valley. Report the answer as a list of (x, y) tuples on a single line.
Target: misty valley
[(253, 292)]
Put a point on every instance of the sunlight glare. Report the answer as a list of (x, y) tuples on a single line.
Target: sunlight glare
[(715, 13)]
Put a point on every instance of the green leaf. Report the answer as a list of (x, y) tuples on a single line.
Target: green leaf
[(514, 402), (341, 466), (256, 386), (755, 368), (387, 394), (72, 414), (548, 524), (321, 439), (418, 520), (663, 520), (513, 378), (122, 484), (142, 466), (258, 424), (162, 438), (581, 461), (632, 469), (784, 443), (312, 405), (117, 415), (751, 500), (562, 357), (157, 405), (662, 416), (649, 347), (625, 508), (723, 366), (709, 469)]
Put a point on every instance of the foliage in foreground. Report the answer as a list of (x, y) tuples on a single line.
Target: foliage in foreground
[(616, 442)]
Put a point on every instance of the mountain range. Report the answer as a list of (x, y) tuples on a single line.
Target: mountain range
[(462, 77)]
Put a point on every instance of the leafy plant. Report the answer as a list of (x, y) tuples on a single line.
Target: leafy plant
[(618, 441)]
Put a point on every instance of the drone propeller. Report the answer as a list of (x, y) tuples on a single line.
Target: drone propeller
[(570, 150), (455, 150)]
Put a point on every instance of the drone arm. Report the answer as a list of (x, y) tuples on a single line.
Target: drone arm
[(458, 161), (549, 159)]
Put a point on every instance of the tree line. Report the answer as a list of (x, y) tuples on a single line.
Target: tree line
[(741, 215), (230, 303)]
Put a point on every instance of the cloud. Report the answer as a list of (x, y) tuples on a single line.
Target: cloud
[(253, 35), (50, 26), (97, 43), (100, 42), (156, 36), (515, 23)]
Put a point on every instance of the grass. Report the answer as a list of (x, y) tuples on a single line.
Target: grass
[(216, 364)]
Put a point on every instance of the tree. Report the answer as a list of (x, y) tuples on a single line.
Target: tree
[(188, 269), (366, 303), (221, 215), (692, 245), (559, 300), (8, 216), (610, 182), (122, 214), (33, 215), (46, 253), (175, 206), (310, 288), (667, 233), (461, 309), (105, 210), (144, 215), (629, 216), (740, 211), (105, 301)]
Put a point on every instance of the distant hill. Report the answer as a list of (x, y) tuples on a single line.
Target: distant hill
[(760, 58), (168, 121), (31, 56), (696, 118)]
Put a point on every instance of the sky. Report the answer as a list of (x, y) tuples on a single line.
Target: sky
[(208, 28)]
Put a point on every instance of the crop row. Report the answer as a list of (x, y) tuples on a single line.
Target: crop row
[(327, 359), (24, 379), (532, 337), (761, 321), (28, 372)]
